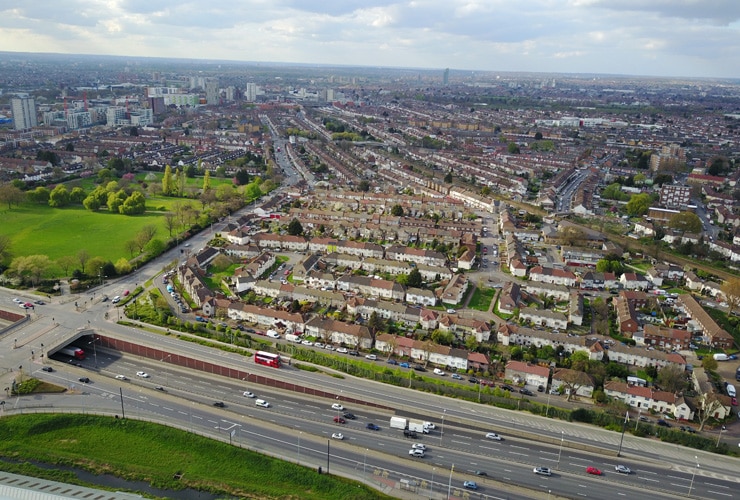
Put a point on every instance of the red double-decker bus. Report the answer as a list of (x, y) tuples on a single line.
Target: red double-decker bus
[(267, 359)]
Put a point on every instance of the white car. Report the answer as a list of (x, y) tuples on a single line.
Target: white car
[(623, 469), (262, 403), (142, 374), (494, 436), (419, 446), (337, 435), (17, 301), (342, 350), (416, 453), (248, 394), (451, 311), (337, 406), (121, 377), (319, 345), (307, 342), (542, 471), (116, 299), (371, 357), (437, 371)]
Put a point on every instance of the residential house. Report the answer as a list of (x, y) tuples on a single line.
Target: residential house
[(552, 275), (634, 281), (508, 299), (532, 375), (713, 334), (266, 316), (339, 332), (666, 338), (647, 399), (421, 297), (542, 317), (573, 380), (455, 290)]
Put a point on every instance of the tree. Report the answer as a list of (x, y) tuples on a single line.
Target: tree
[(207, 180), (707, 408), (32, 267), (134, 204), (5, 243), (671, 378), (167, 183), (39, 195), (134, 132), (363, 186), (155, 246), (170, 222), (448, 177), (685, 222), (414, 279), (513, 148), (709, 363), (11, 195), (115, 200), (66, 262), (397, 210), (59, 197), (375, 324), (731, 291), (241, 178), (77, 195), (573, 380), (295, 228), (83, 257), (638, 204), (253, 190)]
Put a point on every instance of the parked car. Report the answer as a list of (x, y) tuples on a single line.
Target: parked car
[(473, 380), (371, 357), (342, 350), (507, 387), (403, 364), (353, 353), (471, 485), (542, 471), (438, 371), (419, 368), (526, 391), (392, 361), (622, 469), (663, 423), (593, 470), (372, 427), (456, 376)]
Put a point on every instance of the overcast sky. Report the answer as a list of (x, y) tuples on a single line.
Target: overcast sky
[(696, 38)]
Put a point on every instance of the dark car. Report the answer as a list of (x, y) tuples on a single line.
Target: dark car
[(419, 368), (48, 369), (353, 353), (663, 423), (480, 473), (507, 387), (403, 364), (339, 420), (372, 427), (409, 434), (219, 404), (392, 362), (473, 380), (84, 380), (39, 302), (349, 416), (540, 388), (526, 391)]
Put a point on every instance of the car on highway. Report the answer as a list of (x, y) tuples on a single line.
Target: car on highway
[(339, 420), (262, 403), (349, 416), (494, 436), (219, 404), (142, 374), (416, 453), (371, 357), (372, 427), (84, 380), (121, 377), (419, 446), (470, 485), (542, 471), (337, 435), (337, 406), (48, 369), (481, 473), (623, 469), (593, 470), (248, 394)]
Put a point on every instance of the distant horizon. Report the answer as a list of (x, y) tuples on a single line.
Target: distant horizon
[(278, 64)]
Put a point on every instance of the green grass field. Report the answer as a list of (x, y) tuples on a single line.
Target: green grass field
[(42, 230), (481, 299), (154, 453)]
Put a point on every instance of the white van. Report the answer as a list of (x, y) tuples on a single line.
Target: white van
[(273, 334), (262, 403)]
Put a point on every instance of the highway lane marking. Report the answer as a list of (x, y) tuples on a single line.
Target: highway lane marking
[(459, 442), (679, 485), (720, 493), (521, 454), (678, 478), (168, 408), (198, 416), (717, 486), (649, 472), (653, 480), (519, 447), (182, 412)]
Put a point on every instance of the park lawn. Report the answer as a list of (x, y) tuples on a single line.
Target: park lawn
[(481, 299), (154, 453), (43, 230)]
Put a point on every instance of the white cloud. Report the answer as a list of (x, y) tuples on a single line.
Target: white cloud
[(663, 37)]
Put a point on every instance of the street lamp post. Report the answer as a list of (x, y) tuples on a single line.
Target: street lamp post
[(95, 351), (637, 422), (560, 451), (431, 485), (720, 434), (693, 476), (624, 426), (547, 411), (449, 484)]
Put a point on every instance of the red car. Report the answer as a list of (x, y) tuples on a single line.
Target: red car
[(126, 293), (340, 420), (593, 470)]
